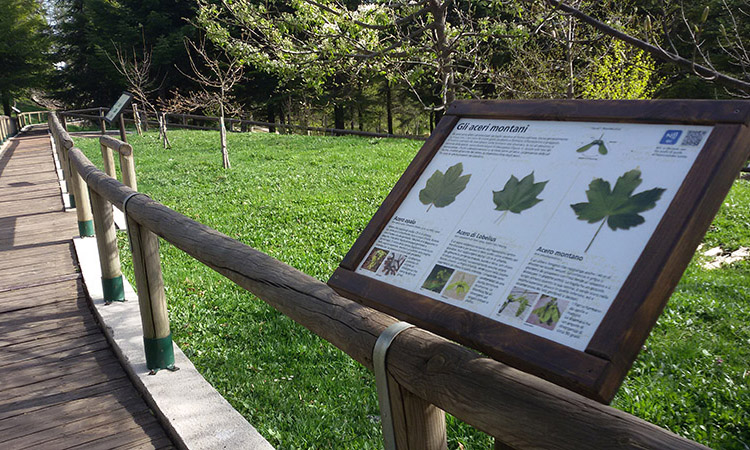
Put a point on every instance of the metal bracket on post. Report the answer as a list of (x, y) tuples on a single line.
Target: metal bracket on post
[(379, 353), (125, 213)]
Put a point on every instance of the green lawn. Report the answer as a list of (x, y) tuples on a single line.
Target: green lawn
[(304, 200)]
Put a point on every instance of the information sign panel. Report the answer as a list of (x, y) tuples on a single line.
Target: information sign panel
[(549, 235), (115, 110)]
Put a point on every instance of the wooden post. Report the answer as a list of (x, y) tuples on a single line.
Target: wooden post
[(157, 338), (123, 137), (127, 166), (108, 160), (82, 203), (136, 119), (63, 122), (106, 243), (418, 425), (101, 121)]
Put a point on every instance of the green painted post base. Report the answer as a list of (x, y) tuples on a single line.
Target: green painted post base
[(86, 228), (72, 200), (113, 289), (159, 353)]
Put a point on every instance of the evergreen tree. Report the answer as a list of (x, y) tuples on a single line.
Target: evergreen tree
[(90, 30), (24, 49)]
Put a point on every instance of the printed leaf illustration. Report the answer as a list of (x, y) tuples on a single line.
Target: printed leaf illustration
[(441, 189), (522, 301), (617, 207), (548, 314), (523, 304), (461, 287), (518, 196), (599, 142)]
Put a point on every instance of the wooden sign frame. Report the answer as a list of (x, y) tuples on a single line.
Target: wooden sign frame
[(597, 371), (116, 109)]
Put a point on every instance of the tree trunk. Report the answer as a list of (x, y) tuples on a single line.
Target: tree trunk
[(338, 118), (389, 106), (443, 51), (223, 136), (137, 119), (6, 102), (360, 116), (163, 129), (282, 130), (569, 35), (270, 117)]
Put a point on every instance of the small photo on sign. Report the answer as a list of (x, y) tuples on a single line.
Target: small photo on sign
[(459, 285), (438, 278), (518, 304), (547, 312), (374, 259), (392, 263)]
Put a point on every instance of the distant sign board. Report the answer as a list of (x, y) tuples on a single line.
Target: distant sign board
[(550, 234), (116, 109)]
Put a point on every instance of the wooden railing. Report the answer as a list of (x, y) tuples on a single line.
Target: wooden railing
[(175, 120), (427, 373), (7, 128), (32, 117)]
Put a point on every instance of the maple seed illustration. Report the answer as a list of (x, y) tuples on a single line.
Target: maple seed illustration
[(442, 188), (617, 207), (599, 142), (517, 196)]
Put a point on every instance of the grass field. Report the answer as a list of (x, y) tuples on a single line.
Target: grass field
[(304, 200)]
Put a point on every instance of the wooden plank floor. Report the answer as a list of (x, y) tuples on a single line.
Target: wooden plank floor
[(61, 386)]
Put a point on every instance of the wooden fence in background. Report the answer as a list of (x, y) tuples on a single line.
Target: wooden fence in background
[(428, 374), (197, 122)]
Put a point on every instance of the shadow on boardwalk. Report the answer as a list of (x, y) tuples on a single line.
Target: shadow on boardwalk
[(61, 387)]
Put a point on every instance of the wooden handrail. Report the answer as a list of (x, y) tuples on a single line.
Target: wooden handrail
[(117, 145), (125, 154), (487, 394)]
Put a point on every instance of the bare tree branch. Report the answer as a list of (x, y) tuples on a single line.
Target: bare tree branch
[(655, 51)]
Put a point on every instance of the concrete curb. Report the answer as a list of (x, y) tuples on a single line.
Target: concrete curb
[(191, 410)]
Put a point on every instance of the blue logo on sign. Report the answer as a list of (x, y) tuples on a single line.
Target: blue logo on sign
[(671, 137)]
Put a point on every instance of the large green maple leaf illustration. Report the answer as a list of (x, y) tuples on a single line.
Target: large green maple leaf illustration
[(517, 196), (617, 207), (442, 188)]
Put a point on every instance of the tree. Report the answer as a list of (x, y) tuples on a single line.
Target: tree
[(686, 48), (624, 73), (87, 30), (24, 49), (138, 76), (216, 79), (441, 43)]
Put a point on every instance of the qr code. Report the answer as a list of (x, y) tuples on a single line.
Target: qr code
[(693, 138)]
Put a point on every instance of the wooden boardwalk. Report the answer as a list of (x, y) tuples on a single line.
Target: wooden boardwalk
[(61, 387)]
